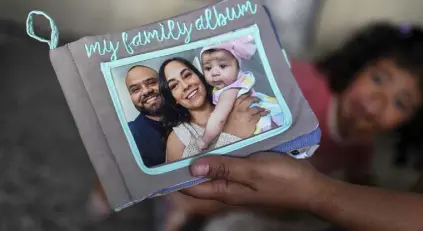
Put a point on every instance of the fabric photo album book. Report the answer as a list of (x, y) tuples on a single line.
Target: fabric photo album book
[(148, 101)]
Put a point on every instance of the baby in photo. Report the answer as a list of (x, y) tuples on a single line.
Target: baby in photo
[(221, 65)]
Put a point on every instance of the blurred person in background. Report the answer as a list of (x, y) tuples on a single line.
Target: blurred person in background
[(371, 85)]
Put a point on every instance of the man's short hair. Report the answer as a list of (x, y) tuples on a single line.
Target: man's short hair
[(139, 65), (135, 66)]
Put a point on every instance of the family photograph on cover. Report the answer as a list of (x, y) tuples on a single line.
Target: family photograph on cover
[(175, 104)]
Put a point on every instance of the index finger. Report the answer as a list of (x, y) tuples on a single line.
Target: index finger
[(246, 103), (224, 168), (242, 97), (224, 191)]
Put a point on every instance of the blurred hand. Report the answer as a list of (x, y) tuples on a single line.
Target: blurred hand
[(182, 208), (243, 118), (263, 179)]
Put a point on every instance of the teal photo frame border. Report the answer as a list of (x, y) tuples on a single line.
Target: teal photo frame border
[(106, 68)]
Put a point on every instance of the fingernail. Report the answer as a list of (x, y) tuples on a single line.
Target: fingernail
[(201, 170)]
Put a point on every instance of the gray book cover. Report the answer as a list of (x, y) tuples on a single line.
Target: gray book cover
[(148, 100)]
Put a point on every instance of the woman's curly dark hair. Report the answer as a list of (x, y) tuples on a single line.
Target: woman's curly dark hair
[(175, 114), (403, 44)]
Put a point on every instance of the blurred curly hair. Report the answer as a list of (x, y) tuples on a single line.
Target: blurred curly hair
[(403, 44)]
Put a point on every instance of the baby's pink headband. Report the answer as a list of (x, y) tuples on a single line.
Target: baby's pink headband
[(240, 48)]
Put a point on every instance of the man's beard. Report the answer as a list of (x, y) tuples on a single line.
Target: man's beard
[(153, 111)]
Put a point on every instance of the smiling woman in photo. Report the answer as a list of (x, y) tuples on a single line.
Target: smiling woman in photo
[(188, 100), (187, 108)]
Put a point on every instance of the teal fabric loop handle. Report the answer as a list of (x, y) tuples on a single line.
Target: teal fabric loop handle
[(54, 37)]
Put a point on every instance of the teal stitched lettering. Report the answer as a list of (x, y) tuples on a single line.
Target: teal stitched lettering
[(136, 40), (235, 14), (171, 27), (220, 18), (108, 47), (211, 19), (243, 8), (205, 21), (163, 33), (92, 48), (208, 14), (125, 43), (184, 30), (199, 23), (151, 35), (142, 42), (228, 14), (114, 49), (188, 38)]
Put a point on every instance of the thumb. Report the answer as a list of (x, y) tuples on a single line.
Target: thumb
[(224, 168)]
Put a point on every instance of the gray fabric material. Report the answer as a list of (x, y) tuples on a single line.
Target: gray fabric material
[(87, 95), (92, 139)]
